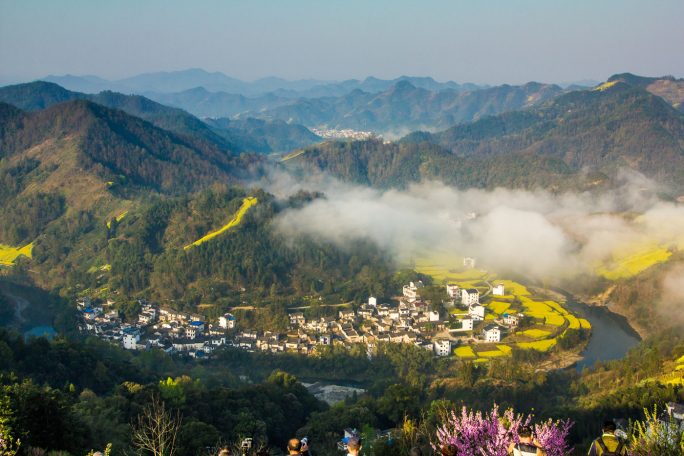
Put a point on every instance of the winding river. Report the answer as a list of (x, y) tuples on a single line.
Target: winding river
[(612, 335)]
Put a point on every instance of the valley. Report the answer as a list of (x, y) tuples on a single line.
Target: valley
[(530, 247)]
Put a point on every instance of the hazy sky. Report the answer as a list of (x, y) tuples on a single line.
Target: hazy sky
[(480, 41)]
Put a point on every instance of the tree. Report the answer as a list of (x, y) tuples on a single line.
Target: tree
[(467, 374), (155, 431)]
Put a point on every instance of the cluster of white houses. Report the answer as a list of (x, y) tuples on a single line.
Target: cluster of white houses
[(156, 326), (412, 321)]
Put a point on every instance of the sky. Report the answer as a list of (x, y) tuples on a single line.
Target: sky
[(483, 42)]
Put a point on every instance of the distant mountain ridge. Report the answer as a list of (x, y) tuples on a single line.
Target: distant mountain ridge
[(40, 95), (405, 106), (179, 81), (613, 126)]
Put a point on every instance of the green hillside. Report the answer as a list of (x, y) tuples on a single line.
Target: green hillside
[(397, 165), (616, 125)]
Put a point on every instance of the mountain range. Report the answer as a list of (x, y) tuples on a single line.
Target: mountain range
[(179, 81), (402, 107), (616, 125), (273, 136)]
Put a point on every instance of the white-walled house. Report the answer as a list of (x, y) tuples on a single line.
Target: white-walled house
[(452, 290), (130, 339), (411, 290), (477, 312), (470, 296), (434, 315), (511, 319), (492, 333), (442, 347), (372, 301), (467, 324), (498, 289), (227, 321)]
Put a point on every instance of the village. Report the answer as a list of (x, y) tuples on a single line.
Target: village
[(436, 328)]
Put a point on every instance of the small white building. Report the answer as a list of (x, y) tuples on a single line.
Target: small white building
[(297, 318), (492, 333), (470, 296), (468, 262), (511, 319), (467, 324), (227, 321), (477, 312), (434, 315), (452, 290), (372, 301), (411, 290), (131, 339), (498, 289), (442, 347)]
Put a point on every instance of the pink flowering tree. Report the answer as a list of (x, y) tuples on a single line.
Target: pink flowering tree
[(478, 434)]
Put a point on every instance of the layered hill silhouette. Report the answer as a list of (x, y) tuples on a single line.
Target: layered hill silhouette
[(179, 81), (617, 125), (40, 95), (402, 107)]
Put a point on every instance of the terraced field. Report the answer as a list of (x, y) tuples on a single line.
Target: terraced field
[(8, 255), (246, 204)]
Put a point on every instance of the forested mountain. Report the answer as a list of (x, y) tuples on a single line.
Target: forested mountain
[(666, 87), (398, 165), (264, 136), (114, 146), (616, 125), (268, 138)]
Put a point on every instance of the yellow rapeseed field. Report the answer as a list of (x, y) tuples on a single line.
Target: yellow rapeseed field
[(492, 354), (464, 352), (246, 204), (574, 322), (540, 345), (536, 333), (499, 307), (9, 254)]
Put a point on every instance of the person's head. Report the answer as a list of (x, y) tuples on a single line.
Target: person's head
[(354, 445), (294, 446), (449, 450), (609, 427), (415, 451), (225, 451), (525, 432)]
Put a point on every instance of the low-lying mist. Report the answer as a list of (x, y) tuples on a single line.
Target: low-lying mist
[(533, 233)]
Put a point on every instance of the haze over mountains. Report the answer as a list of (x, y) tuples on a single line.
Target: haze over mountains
[(179, 81)]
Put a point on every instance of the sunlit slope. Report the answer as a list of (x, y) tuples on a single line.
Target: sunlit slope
[(246, 204), (8, 255)]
